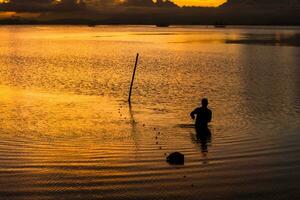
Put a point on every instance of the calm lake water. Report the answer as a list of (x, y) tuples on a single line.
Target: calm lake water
[(67, 132)]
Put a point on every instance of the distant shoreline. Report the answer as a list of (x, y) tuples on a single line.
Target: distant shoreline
[(4, 23)]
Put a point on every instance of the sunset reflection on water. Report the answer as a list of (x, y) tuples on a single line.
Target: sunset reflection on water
[(66, 129)]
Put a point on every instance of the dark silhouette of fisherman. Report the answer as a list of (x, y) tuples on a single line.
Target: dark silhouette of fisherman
[(203, 117)]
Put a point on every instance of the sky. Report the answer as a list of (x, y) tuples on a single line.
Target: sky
[(54, 6), (205, 3), (163, 11), (213, 3)]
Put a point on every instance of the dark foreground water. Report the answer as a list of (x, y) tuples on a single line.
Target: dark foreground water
[(66, 131)]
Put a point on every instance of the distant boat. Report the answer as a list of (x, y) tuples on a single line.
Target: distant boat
[(219, 25), (162, 25)]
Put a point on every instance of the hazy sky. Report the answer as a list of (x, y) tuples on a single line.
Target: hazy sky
[(199, 2), (187, 2), (258, 12)]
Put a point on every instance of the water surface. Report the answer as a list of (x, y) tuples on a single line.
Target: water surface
[(67, 132)]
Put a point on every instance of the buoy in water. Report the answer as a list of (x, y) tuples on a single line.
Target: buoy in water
[(175, 158)]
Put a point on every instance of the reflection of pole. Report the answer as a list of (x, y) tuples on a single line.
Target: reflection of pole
[(134, 130), (130, 90)]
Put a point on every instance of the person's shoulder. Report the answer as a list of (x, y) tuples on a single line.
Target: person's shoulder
[(197, 109)]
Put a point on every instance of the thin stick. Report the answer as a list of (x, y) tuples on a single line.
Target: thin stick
[(135, 65)]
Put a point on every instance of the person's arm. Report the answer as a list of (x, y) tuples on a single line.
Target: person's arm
[(193, 114)]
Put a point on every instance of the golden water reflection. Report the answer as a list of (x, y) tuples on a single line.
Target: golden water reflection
[(39, 111), (66, 131)]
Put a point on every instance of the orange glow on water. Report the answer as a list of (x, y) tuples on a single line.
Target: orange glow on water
[(6, 14), (67, 130)]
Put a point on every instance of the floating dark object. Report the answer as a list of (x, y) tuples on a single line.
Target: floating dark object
[(162, 25), (220, 25), (175, 158)]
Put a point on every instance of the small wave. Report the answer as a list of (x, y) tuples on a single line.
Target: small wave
[(185, 125)]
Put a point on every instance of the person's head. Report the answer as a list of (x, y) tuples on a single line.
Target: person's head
[(204, 102)]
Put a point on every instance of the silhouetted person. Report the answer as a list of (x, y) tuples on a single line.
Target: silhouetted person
[(203, 116)]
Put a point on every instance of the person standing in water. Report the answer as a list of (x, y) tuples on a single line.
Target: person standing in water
[(203, 116)]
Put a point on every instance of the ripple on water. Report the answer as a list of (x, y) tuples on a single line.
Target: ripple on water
[(67, 133)]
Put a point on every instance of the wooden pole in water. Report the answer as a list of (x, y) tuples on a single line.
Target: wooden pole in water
[(135, 65)]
